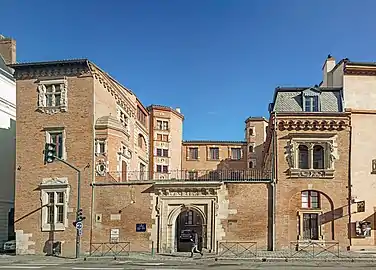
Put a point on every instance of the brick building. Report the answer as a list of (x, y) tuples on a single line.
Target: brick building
[(309, 138), (142, 187)]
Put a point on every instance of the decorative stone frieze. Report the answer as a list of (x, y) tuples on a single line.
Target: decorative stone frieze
[(312, 125), (187, 192)]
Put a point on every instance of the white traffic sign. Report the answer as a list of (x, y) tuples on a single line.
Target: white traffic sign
[(80, 232), (79, 225)]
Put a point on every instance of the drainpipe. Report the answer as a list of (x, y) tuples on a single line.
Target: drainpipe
[(273, 180)]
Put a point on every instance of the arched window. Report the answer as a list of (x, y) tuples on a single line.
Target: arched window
[(303, 157), (251, 165), (141, 141), (318, 157), (251, 149)]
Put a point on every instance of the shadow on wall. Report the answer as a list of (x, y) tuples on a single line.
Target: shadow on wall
[(7, 175)]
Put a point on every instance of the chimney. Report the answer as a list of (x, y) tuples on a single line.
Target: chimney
[(178, 110), (8, 49), (328, 66)]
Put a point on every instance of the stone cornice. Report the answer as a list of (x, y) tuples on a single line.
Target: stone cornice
[(312, 124), (69, 68), (115, 89), (360, 69)]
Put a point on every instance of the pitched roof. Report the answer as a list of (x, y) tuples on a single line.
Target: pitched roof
[(289, 99)]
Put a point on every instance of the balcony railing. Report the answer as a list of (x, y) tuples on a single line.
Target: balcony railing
[(250, 175)]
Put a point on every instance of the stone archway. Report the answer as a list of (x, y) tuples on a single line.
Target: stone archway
[(175, 227)]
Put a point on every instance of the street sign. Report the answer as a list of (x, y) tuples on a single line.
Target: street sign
[(79, 225), (79, 232), (141, 227)]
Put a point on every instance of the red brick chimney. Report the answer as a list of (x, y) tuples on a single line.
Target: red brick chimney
[(8, 49)]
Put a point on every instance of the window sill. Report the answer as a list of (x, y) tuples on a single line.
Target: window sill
[(193, 159), (312, 173), (52, 109), (210, 159), (55, 227)]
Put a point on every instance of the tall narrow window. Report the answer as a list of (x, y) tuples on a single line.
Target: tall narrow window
[(55, 207), (251, 148), (310, 226), (303, 157), (57, 137), (318, 157), (53, 95), (142, 171), (311, 104), (251, 165), (124, 171)]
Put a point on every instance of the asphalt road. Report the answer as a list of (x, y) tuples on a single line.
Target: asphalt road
[(187, 265)]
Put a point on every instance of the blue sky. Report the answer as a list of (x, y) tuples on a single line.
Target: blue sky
[(219, 61)]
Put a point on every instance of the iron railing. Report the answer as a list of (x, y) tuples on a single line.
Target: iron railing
[(314, 249), (191, 175), (107, 249), (237, 249)]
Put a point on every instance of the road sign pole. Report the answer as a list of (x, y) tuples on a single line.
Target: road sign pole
[(78, 236)]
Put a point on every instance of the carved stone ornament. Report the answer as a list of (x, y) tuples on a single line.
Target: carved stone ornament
[(186, 192), (313, 124), (42, 98), (311, 173), (55, 181), (289, 153)]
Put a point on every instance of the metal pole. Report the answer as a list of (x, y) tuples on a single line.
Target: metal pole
[(78, 201), (78, 207)]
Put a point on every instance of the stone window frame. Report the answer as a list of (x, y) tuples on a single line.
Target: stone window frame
[(330, 155), (124, 118), (209, 153), (162, 124), (98, 143), (189, 156), (300, 215), (54, 185), (253, 145), (253, 132), (231, 149), (42, 101), (49, 131)]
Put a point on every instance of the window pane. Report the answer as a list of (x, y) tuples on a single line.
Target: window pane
[(50, 214), (51, 197), (318, 157), (193, 153), (214, 153), (165, 152), (49, 102), (165, 169), (60, 197), (101, 147), (159, 168), (305, 199), (60, 214), (159, 152), (303, 157), (57, 99), (236, 153)]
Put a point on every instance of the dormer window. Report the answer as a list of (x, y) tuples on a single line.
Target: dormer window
[(311, 103)]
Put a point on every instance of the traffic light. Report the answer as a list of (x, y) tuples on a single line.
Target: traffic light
[(80, 216), (49, 153)]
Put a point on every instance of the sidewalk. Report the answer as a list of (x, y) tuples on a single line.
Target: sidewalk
[(261, 256)]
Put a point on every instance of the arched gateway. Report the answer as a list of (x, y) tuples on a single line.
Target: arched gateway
[(180, 210)]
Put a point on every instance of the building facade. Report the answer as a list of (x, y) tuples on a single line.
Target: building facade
[(166, 135), (358, 80), (255, 136), (308, 141), (7, 138)]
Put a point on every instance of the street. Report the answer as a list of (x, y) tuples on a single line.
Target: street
[(186, 265)]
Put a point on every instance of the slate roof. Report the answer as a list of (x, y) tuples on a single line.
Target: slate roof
[(290, 99)]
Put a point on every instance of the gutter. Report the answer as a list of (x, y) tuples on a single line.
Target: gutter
[(274, 180)]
